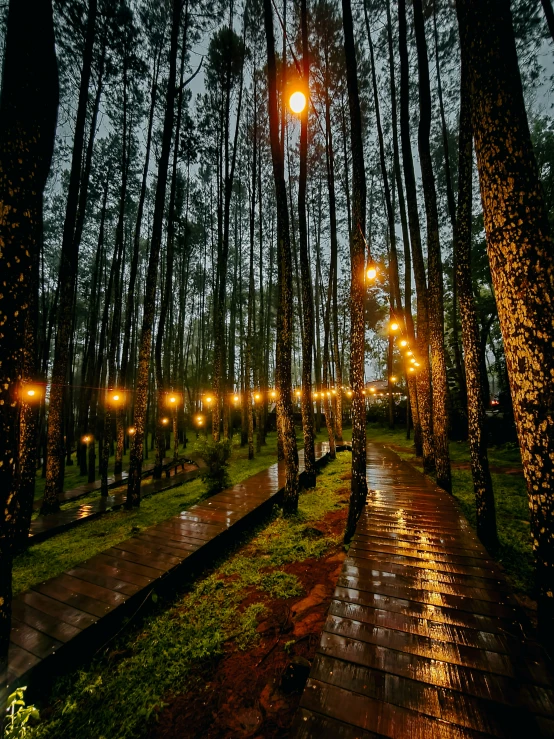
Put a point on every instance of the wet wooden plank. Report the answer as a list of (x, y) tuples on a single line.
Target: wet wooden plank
[(423, 637), (54, 612), (88, 602), (378, 716), (44, 622), (60, 611)]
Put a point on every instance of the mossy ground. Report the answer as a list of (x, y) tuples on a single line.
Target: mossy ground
[(512, 512), (121, 693), (63, 551)]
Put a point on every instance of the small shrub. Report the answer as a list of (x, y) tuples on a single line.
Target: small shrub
[(16, 724), (216, 455)]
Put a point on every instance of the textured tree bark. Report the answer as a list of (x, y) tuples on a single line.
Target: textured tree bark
[(67, 277), (411, 381), (358, 493), (549, 15), (285, 296), (28, 114), (307, 295), (521, 258), (477, 419), (434, 263), (423, 375), (143, 371)]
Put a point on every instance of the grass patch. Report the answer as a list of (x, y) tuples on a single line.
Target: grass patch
[(62, 552), (122, 691)]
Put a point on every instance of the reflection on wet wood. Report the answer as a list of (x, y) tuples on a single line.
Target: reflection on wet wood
[(423, 637), (78, 611)]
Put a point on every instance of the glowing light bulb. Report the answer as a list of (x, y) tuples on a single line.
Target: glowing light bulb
[(393, 378), (165, 421), (31, 393), (403, 342), (394, 326), (409, 354), (236, 398), (297, 102), (132, 431), (371, 273)]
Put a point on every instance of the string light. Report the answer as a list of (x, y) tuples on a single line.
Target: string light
[(86, 439), (165, 421), (403, 343), (131, 431), (371, 273), (394, 326)]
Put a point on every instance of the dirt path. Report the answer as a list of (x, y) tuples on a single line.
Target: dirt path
[(255, 693)]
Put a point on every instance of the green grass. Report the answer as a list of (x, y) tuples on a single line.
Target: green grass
[(512, 512), (121, 693), (62, 552)]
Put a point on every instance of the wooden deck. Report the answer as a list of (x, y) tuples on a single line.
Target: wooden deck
[(62, 621), (423, 637), (43, 527)]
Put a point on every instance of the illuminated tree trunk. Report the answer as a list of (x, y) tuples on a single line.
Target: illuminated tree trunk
[(409, 322), (67, 278), (521, 257), (28, 113), (285, 295), (423, 378), (477, 419), (307, 295), (435, 301), (143, 371), (358, 493)]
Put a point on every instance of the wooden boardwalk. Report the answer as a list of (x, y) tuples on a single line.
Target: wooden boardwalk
[(59, 622), (43, 527), (423, 638)]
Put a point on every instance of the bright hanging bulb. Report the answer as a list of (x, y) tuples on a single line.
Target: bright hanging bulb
[(297, 102)]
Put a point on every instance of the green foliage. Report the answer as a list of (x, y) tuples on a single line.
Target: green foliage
[(64, 551), (123, 691), (216, 455), (19, 715)]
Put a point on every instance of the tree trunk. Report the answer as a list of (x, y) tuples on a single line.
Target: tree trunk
[(28, 114), (141, 388), (285, 295), (521, 257), (307, 296), (68, 278), (423, 378), (434, 263), (477, 419), (357, 260)]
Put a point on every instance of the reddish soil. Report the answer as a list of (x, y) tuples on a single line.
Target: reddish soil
[(246, 694)]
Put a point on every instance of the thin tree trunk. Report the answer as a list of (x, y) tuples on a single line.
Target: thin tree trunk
[(141, 389), (477, 419), (423, 377), (285, 295), (68, 278), (357, 260), (434, 263), (307, 296)]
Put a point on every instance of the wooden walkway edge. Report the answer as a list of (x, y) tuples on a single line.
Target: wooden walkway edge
[(423, 637), (62, 621), (43, 527)]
